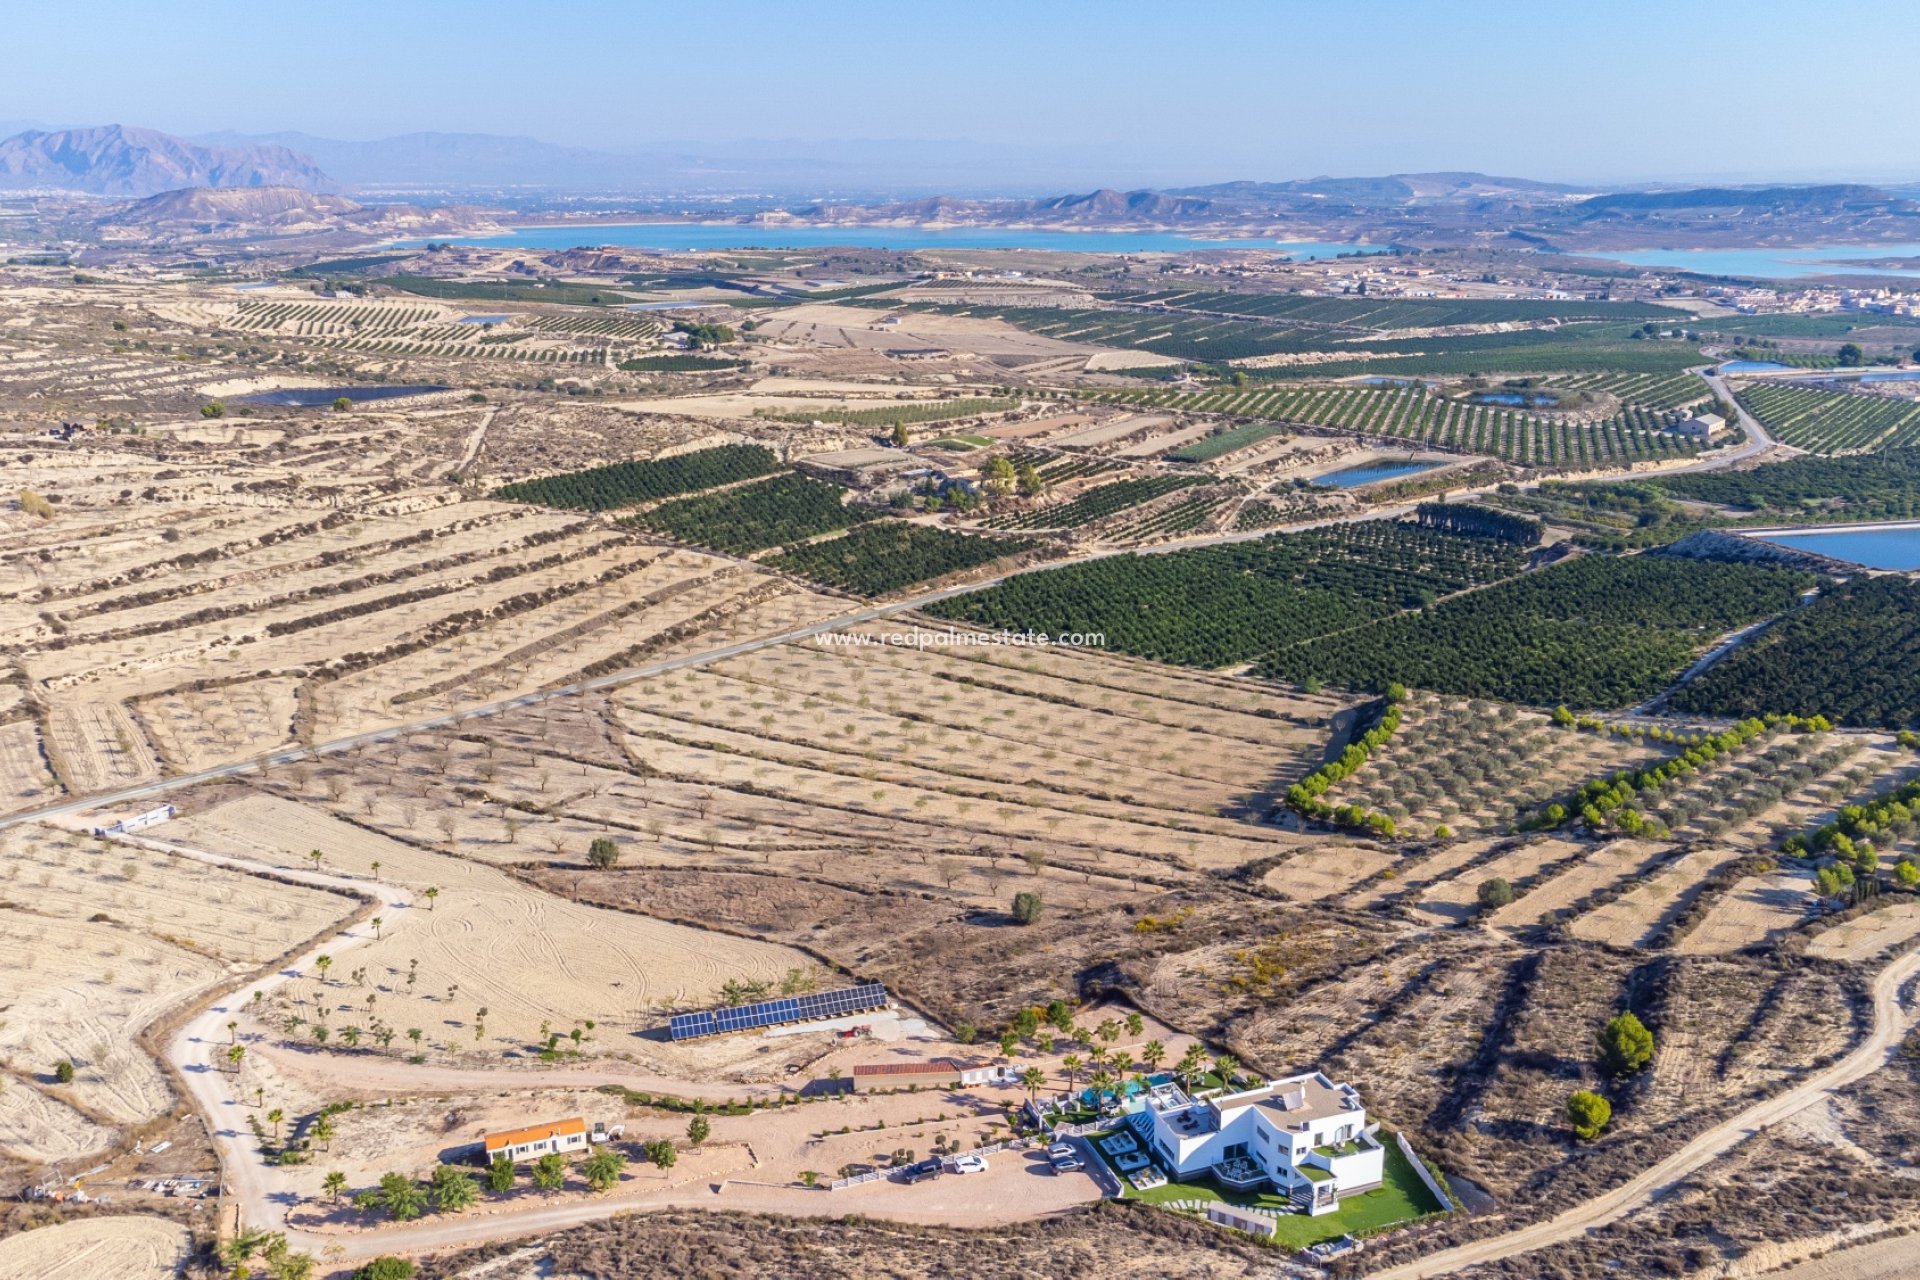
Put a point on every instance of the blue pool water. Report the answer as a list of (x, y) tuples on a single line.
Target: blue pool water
[(1752, 366), (1371, 473), (1773, 264), (314, 397), (708, 235), (1897, 548)]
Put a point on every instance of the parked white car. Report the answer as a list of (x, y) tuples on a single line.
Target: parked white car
[(969, 1164)]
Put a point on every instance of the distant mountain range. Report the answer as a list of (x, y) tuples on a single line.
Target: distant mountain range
[(115, 160), (420, 178)]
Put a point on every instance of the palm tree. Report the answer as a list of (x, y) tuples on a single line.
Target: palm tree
[(274, 1117), (1190, 1063), (1033, 1078), (323, 963), (1071, 1065), (1102, 1085), (317, 857), (1108, 1031), (323, 1131), (1135, 1024), (1224, 1066), (1122, 1062), (430, 893), (1153, 1053), (233, 1029), (351, 1035), (376, 928), (376, 868), (235, 1052), (333, 1184)]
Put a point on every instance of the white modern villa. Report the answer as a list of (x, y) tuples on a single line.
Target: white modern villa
[(1305, 1135)]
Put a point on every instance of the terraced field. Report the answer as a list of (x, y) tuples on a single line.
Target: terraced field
[(1635, 434)]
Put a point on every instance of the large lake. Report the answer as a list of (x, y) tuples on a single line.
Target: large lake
[(1772, 264), (1896, 548), (722, 235)]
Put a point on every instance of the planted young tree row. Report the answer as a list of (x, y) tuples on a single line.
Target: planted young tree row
[(1423, 418), (1304, 796), (1485, 522), (1833, 421), (624, 483)]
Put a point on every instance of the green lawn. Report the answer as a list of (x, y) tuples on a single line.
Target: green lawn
[(1401, 1197)]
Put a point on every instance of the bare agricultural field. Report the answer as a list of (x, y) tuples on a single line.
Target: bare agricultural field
[(1758, 909), (80, 991), (1454, 901), (194, 728), (36, 1127), (97, 746), (1631, 919), (1866, 936), (488, 941), (25, 778), (225, 914), (1326, 870), (104, 1248), (1605, 866)]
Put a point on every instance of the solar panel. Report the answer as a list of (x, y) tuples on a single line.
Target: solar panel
[(767, 1013)]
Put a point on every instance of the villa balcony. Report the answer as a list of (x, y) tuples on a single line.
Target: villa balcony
[(1240, 1174)]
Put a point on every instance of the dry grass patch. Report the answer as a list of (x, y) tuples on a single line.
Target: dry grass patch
[(98, 747), (1456, 900), (1326, 870)]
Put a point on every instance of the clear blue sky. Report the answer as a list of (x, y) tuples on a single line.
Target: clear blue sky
[(1615, 91)]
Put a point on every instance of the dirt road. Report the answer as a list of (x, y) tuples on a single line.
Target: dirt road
[(1890, 1024)]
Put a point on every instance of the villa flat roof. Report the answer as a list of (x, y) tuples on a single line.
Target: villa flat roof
[(1317, 1100)]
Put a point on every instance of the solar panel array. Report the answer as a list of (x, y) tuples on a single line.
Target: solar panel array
[(767, 1013)]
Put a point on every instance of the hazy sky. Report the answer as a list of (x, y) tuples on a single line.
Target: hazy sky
[(1161, 93)]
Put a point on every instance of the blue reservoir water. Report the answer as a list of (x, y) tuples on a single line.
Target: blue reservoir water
[(314, 397), (722, 235), (1382, 380), (1773, 264), (1903, 375), (1752, 366), (1875, 548), (482, 320), (1518, 399), (1371, 473)]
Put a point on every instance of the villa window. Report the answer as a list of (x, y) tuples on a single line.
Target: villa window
[(1238, 1151)]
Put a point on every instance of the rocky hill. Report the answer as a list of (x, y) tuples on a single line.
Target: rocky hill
[(115, 160)]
